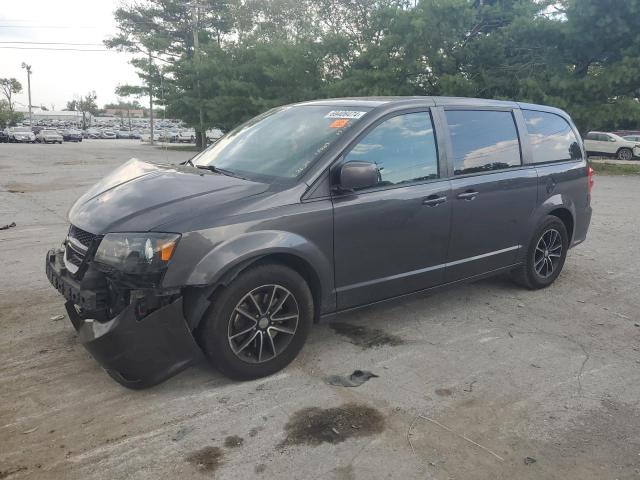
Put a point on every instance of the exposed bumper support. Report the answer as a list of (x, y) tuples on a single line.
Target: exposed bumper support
[(135, 351)]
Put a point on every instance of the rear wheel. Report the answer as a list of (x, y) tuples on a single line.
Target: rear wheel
[(625, 154), (258, 324), (546, 255)]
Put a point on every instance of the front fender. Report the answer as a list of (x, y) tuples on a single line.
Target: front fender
[(240, 250)]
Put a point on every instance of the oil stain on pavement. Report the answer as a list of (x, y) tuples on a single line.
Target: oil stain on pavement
[(207, 459), (314, 426), (365, 337)]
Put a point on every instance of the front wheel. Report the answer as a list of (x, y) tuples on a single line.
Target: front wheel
[(546, 255), (625, 154), (257, 325)]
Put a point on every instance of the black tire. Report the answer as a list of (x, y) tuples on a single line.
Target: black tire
[(223, 321), (534, 273), (624, 154)]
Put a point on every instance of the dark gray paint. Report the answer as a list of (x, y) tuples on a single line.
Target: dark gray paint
[(386, 242)]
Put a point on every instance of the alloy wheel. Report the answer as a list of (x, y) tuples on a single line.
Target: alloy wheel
[(263, 323), (548, 253), (625, 154)]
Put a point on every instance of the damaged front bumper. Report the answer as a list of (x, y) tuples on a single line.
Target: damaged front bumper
[(136, 350)]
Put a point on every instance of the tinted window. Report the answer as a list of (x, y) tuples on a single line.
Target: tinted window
[(483, 140), (551, 137), (281, 143), (403, 148), (591, 136)]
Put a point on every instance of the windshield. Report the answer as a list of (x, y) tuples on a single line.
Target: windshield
[(281, 143), (50, 132), (21, 129)]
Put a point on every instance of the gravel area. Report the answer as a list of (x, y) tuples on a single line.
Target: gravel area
[(485, 381)]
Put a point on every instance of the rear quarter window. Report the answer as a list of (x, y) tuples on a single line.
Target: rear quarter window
[(551, 137)]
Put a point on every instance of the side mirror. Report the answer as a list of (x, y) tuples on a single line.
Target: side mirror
[(356, 175)]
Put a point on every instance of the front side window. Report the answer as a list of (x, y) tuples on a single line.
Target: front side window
[(403, 148), (280, 144), (551, 137), (483, 140)]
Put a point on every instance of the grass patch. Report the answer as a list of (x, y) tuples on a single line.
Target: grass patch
[(609, 168)]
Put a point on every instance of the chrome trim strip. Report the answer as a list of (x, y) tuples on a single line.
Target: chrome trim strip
[(484, 255), (425, 270), (77, 245), (68, 265)]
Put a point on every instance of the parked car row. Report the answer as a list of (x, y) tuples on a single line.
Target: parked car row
[(612, 145)]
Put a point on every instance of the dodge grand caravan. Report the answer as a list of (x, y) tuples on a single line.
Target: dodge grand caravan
[(312, 209)]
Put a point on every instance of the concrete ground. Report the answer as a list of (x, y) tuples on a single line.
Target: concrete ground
[(487, 381)]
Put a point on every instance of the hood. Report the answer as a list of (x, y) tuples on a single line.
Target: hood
[(139, 196)]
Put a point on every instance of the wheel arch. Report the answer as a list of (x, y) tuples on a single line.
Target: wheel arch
[(566, 217), (225, 262)]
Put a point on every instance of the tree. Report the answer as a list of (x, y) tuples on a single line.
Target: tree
[(579, 55), (8, 117), (85, 105), (72, 105), (10, 86)]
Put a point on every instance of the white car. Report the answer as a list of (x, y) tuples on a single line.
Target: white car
[(186, 136), (48, 136), (610, 144), (20, 135)]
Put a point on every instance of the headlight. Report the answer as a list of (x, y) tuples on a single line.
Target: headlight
[(137, 253)]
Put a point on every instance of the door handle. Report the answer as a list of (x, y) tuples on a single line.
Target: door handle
[(468, 195), (434, 200)]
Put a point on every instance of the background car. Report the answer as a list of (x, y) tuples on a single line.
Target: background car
[(186, 136), (610, 144), (123, 134), (632, 138), (4, 136), (49, 136), (91, 133), (108, 134), (72, 135), (21, 135)]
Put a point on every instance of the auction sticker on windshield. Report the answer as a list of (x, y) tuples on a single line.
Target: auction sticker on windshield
[(339, 123), (344, 114)]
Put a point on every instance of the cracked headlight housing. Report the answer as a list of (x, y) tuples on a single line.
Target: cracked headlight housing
[(137, 253)]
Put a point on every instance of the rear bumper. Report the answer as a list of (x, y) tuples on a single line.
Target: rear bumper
[(135, 351), (582, 222)]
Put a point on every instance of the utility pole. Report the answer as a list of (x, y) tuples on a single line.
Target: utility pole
[(195, 13), (150, 99), (28, 69)]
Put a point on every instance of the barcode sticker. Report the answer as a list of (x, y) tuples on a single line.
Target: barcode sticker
[(344, 114)]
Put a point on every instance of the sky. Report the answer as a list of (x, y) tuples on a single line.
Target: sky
[(59, 76)]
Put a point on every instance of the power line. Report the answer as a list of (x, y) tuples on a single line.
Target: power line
[(55, 43), (59, 49)]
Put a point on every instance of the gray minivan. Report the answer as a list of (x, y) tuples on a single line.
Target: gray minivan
[(309, 210)]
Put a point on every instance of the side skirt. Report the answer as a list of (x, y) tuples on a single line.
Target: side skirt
[(437, 288)]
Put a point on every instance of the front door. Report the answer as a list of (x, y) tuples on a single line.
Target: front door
[(392, 238), (493, 195)]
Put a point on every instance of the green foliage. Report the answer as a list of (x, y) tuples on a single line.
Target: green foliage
[(9, 87), (8, 117), (579, 55)]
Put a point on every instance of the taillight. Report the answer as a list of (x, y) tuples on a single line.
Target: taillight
[(590, 178)]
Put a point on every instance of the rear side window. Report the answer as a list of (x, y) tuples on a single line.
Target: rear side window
[(483, 140), (551, 137), (403, 148)]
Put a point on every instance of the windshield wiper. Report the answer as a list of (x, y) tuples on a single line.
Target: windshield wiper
[(221, 171)]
